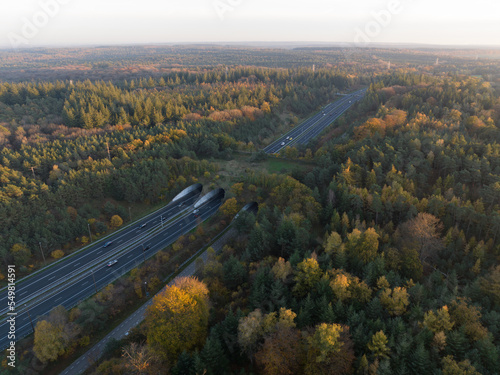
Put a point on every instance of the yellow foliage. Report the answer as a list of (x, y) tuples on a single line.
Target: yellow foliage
[(382, 283), (237, 189), (346, 286), (378, 345), (286, 318), (49, 343), (326, 341), (84, 341), (178, 318), (439, 340), (451, 367), (395, 300), (57, 254), (230, 207), (333, 243), (441, 321), (307, 276), (116, 221), (340, 287), (281, 269)]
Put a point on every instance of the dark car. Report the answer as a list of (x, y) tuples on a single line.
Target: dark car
[(108, 243), (196, 213)]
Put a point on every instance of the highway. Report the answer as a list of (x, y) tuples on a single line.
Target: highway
[(85, 361), (26, 289), (71, 294), (80, 365), (310, 128)]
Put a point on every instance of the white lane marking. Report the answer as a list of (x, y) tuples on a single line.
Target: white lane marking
[(53, 277), (120, 241)]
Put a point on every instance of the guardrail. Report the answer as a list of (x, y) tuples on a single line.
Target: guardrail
[(311, 128), (173, 201), (335, 105), (82, 272), (125, 271), (119, 274), (86, 247)]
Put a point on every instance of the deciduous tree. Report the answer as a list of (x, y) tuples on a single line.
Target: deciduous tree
[(307, 276), (230, 207), (424, 231), (282, 353), (116, 221), (378, 345), (138, 358), (178, 318), (451, 367), (330, 351), (395, 300)]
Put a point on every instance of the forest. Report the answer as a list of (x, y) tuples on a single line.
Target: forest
[(377, 253)]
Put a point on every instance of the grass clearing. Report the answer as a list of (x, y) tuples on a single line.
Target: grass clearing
[(230, 171), (275, 165)]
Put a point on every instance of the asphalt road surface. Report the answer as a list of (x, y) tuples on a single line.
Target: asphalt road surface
[(26, 289), (104, 274), (84, 362), (310, 128)]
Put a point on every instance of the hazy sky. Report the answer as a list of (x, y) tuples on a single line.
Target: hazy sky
[(75, 22)]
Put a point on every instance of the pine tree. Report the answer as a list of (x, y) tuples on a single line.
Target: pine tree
[(374, 308), (277, 295), (234, 273), (326, 313), (229, 332), (214, 357), (305, 317), (489, 354), (255, 247), (419, 360), (378, 345), (457, 343), (184, 365)]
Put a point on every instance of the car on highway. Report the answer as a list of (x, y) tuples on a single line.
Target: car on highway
[(143, 225), (287, 138), (147, 247), (291, 138), (108, 243), (282, 143), (196, 213), (111, 262)]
